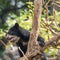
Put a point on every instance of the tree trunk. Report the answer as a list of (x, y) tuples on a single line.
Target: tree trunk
[(33, 46)]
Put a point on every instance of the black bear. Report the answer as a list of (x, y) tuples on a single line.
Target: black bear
[(23, 35)]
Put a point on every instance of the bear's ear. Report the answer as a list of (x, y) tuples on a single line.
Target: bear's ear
[(16, 25)]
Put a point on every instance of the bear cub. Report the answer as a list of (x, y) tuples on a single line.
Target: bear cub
[(23, 35)]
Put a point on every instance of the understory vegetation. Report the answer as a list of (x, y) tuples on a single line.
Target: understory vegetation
[(22, 12)]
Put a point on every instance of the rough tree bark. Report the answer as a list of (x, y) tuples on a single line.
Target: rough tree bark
[(33, 46)]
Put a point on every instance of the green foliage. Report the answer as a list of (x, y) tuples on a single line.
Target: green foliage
[(25, 21), (57, 16), (1, 51), (1, 33), (51, 51), (30, 7)]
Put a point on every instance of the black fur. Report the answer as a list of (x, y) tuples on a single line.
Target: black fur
[(24, 37)]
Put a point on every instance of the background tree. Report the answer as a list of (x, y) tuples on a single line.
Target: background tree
[(23, 14)]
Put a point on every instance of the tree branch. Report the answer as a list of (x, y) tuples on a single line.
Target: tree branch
[(51, 40)]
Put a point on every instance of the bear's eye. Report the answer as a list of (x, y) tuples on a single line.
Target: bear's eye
[(10, 32)]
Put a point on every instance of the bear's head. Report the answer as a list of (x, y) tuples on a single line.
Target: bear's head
[(13, 33)]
